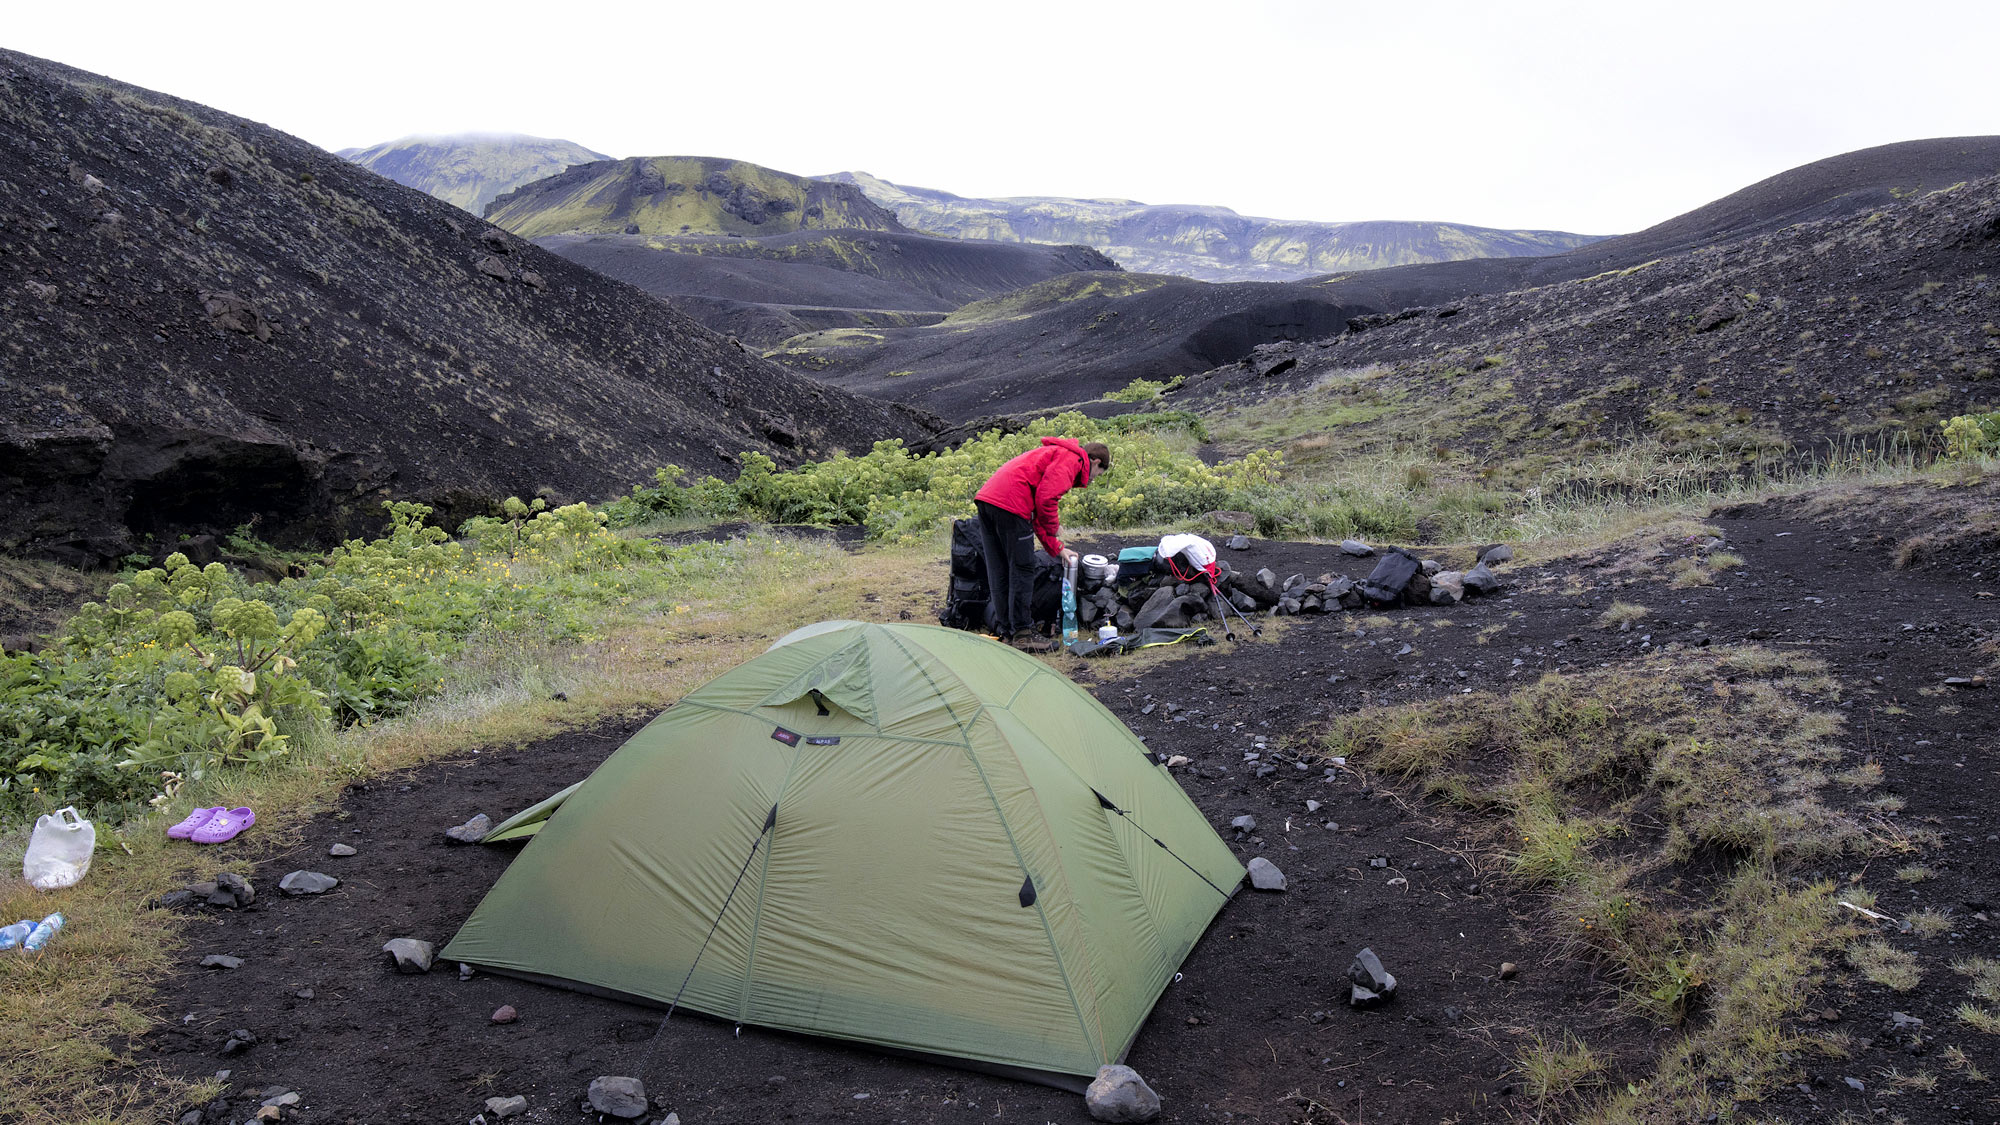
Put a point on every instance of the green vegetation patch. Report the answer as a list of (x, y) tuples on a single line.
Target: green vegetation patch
[(182, 671), (899, 495), (1059, 290)]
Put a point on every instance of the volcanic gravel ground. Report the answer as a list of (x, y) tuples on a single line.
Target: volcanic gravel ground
[(1258, 1030)]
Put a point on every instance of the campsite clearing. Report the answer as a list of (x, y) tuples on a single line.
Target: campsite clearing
[(1258, 1028)]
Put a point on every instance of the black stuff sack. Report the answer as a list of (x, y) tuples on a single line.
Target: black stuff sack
[(1385, 585)]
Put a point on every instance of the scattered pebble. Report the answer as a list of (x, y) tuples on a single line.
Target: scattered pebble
[(505, 1013)]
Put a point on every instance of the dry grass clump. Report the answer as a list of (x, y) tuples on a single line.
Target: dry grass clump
[(1885, 965), (1723, 756)]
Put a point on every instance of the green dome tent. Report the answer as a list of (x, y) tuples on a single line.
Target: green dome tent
[(902, 835)]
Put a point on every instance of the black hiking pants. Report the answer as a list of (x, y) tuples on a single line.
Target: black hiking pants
[(1009, 544)]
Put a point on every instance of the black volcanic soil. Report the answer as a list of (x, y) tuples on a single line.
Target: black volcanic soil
[(1257, 1030), (209, 321), (1823, 331), (1080, 349)]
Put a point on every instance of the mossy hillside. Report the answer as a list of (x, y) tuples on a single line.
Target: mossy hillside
[(470, 170), (678, 195), (1033, 299)]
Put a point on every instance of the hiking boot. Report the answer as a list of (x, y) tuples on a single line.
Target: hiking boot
[(1029, 642)]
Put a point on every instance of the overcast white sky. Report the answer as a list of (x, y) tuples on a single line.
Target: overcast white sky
[(1597, 117)]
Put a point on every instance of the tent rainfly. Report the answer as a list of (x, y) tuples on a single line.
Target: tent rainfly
[(900, 835)]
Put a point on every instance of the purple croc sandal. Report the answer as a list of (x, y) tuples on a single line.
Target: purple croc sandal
[(226, 824), (195, 820)]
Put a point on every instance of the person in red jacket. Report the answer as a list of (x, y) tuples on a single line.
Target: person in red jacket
[(1017, 505)]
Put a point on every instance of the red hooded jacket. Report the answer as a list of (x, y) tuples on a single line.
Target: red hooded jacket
[(1030, 485)]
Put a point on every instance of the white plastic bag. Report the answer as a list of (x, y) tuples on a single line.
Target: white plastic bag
[(59, 852), (1198, 551)]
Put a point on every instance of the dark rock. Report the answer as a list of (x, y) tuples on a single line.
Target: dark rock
[(1239, 542), (617, 1096), (1372, 983), (1356, 548), (227, 890), (307, 883), (1267, 579), (494, 268), (1162, 602), (1480, 580), (238, 1042), (173, 900), (1266, 770), (233, 312), (1496, 554)]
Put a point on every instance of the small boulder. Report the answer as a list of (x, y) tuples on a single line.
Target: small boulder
[(1356, 548), (616, 1096), (1244, 823), (533, 280), (410, 955), (1429, 566), (1496, 554), (227, 890), (307, 883), (1265, 876), (472, 831), (1239, 542), (507, 1107), (1373, 985), (1267, 579), (1119, 1094), (494, 268), (1480, 580), (1448, 588)]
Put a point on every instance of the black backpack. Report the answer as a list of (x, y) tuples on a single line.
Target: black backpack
[(967, 602), (1384, 585), (965, 597)]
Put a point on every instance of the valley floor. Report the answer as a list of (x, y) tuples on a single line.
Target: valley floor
[(1259, 1029)]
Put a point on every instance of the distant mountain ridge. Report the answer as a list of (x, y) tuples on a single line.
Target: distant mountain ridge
[(679, 195), (1207, 243), (469, 170)]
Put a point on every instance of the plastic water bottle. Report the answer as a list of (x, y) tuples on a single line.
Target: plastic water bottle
[(11, 936), (34, 942)]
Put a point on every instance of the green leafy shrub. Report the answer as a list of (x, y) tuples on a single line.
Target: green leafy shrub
[(1144, 390), (1970, 435), (898, 495), (184, 669)]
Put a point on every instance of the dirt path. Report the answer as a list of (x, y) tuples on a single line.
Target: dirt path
[(1257, 1030)]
